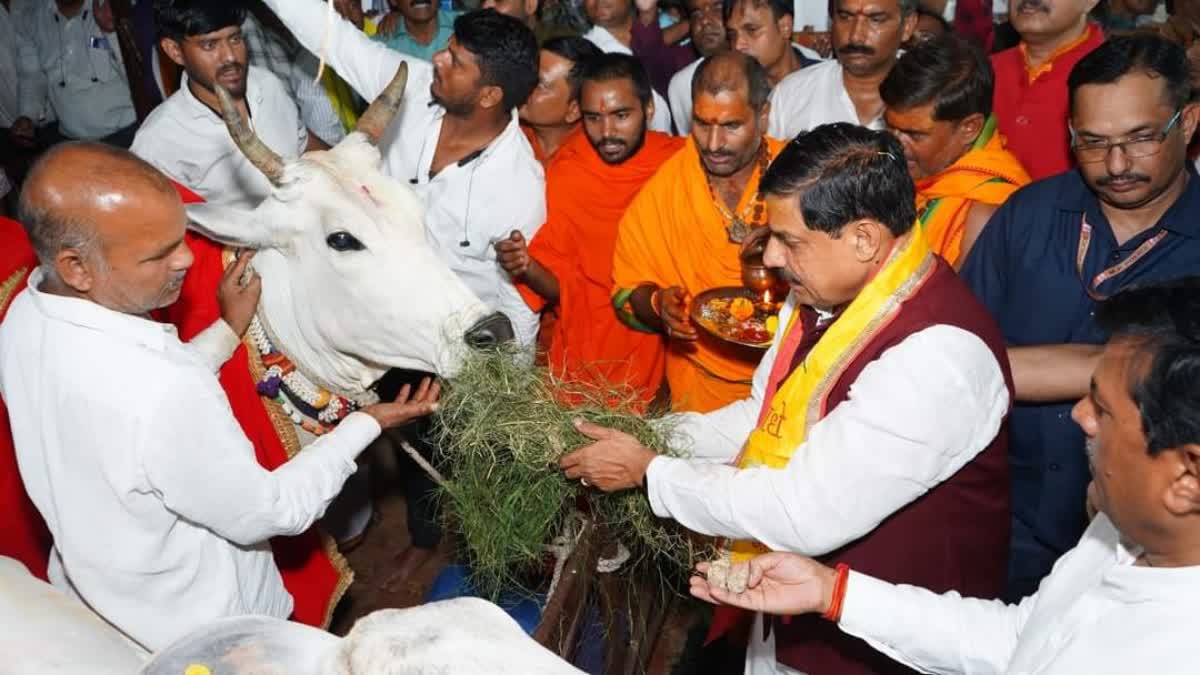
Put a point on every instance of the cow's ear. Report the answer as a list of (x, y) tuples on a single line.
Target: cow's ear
[(234, 227)]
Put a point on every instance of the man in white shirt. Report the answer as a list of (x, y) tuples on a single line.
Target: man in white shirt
[(707, 29), (1124, 599), (867, 35), (185, 136), (763, 29), (72, 64), (457, 140), (125, 440), (9, 100), (834, 451)]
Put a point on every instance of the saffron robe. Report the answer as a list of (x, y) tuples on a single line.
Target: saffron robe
[(987, 174), (674, 235), (585, 199)]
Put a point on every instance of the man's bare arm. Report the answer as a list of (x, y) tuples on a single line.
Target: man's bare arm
[(1053, 373)]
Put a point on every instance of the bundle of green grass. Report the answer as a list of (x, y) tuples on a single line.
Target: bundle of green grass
[(502, 427)]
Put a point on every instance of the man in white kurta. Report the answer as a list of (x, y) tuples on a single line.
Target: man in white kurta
[(470, 204), (188, 141), (846, 88), (125, 440), (874, 453), (1124, 599), (70, 65), (811, 97)]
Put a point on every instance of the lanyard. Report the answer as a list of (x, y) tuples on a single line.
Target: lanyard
[(1085, 240)]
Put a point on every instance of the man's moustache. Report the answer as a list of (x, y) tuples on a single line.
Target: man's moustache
[(1123, 178), (857, 49), (786, 275), (230, 68)]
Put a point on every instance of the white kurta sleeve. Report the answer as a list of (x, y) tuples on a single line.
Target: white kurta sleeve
[(364, 64), (215, 344), (521, 205), (933, 633), (913, 418), (203, 467)]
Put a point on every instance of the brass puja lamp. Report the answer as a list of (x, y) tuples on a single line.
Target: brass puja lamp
[(768, 286)]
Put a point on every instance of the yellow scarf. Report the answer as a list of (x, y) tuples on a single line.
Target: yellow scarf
[(800, 401)]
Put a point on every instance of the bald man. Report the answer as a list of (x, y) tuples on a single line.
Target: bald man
[(125, 441), (682, 234)]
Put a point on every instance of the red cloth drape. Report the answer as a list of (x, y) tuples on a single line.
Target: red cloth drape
[(23, 533)]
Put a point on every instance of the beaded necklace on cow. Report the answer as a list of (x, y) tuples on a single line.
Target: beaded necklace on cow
[(314, 408), (739, 226)]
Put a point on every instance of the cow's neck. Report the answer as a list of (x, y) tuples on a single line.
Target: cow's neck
[(298, 338), (310, 406)]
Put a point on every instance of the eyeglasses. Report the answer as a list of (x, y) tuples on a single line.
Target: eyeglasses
[(1144, 145)]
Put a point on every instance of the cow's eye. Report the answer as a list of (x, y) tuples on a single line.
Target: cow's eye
[(344, 241)]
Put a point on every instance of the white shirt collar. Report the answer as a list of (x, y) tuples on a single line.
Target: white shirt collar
[(88, 314), (197, 109)]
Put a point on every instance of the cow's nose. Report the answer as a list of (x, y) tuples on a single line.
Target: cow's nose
[(490, 331)]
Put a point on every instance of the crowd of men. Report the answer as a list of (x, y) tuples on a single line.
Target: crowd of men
[(989, 260)]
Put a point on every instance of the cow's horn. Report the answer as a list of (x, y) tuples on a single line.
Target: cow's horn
[(247, 141), (374, 122)]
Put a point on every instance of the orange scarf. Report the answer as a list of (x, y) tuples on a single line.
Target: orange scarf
[(987, 174)]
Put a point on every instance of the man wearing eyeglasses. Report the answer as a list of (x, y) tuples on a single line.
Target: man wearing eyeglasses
[(1129, 215)]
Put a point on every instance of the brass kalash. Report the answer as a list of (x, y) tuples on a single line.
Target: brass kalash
[(715, 310)]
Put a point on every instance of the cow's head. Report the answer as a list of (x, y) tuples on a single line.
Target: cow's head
[(351, 286)]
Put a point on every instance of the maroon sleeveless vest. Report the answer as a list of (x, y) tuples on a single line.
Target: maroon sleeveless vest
[(954, 537)]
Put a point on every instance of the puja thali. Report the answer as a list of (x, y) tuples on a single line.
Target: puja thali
[(737, 315)]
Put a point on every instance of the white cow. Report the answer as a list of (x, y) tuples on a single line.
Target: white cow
[(43, 631), (463, 635), (351, 287)]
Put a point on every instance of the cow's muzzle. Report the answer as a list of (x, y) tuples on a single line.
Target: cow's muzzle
[(490, 331)]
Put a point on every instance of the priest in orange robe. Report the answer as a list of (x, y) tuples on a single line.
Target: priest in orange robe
[(682, 235), (939, 104), (568, 265)]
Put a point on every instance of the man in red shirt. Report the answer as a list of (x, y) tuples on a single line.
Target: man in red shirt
[(1031, 80)]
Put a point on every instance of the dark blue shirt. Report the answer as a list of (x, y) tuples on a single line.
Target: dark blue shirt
[(1023, 268)]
